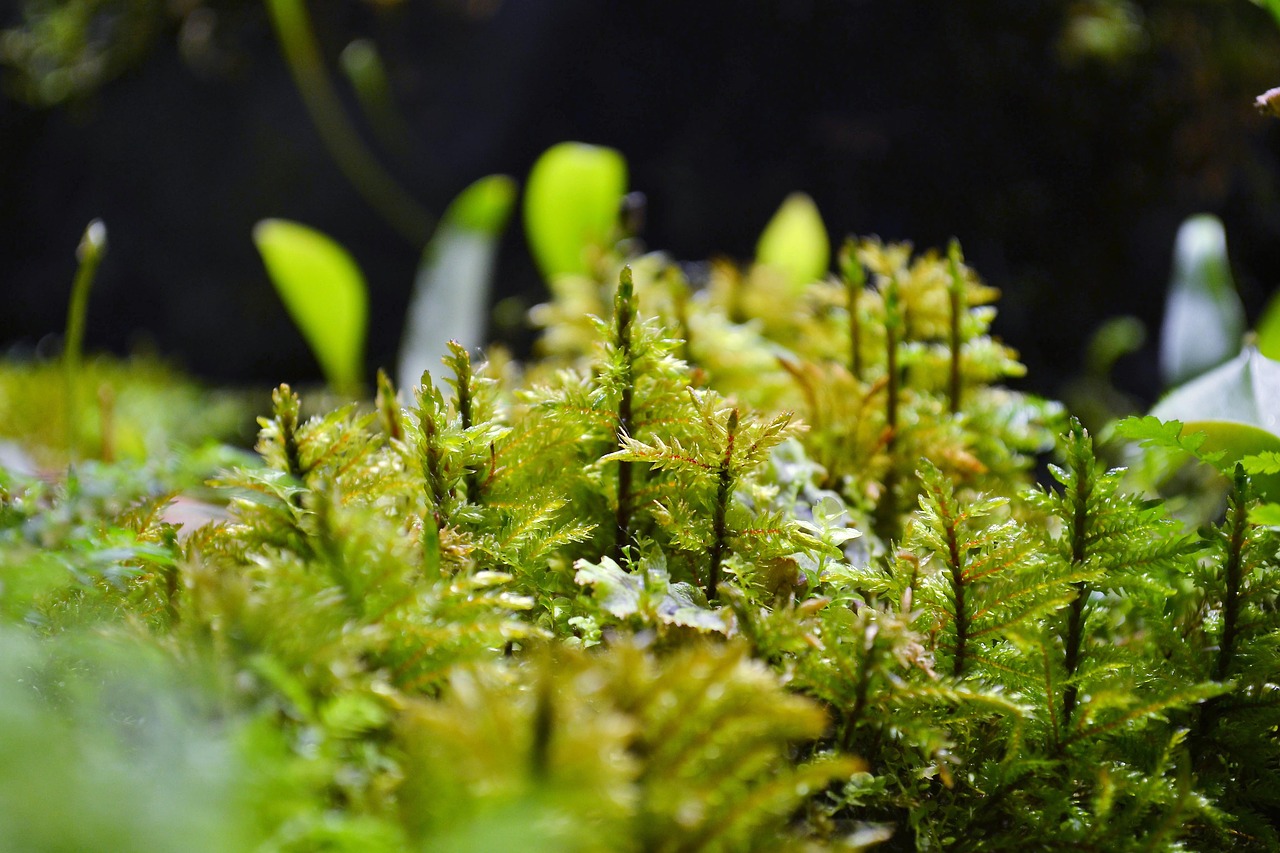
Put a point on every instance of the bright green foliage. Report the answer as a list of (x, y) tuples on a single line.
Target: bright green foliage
[(324, 291), (1235, 408), (795, 241), (623, 740), (754, 565), (128, 410), (976, 576), (571, 206)]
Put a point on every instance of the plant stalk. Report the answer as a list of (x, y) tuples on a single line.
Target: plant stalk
[(1074, 641), (958, 592), (955, 386), (623, 316), (724, 492), (92, 248), (855, 279), (1234, 570), (886, 514), (298, 43)]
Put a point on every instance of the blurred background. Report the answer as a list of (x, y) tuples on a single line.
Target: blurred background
[(1061, 142)]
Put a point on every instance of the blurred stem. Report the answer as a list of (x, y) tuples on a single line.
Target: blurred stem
[(624, 310), (888, 524), (93, 245), (855, 279), (719, 526), (956, 292), (375, 184)]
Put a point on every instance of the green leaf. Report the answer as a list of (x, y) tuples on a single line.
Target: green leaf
[(324, 292), (1245, 390), (1203, 319), (1272, 6), (1267, 462), (1265, 515), (1237, 407), (1150, 431), (648, 593), (1267, 334), (451, 291), (571, 205), (795, 241)]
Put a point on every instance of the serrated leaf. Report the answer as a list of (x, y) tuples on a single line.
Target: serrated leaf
[(324, 292), (1267, 462), (571, 203), (795, 241), (451, 290), (1150, 431)]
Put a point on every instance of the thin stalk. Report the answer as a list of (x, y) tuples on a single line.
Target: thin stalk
[(623, 316), (286, 405), (544, 724), (431, 452), (388, 407), (866, 663), (887, 521), (1074, 641), (381, 191), (93, 245), (956, 293), (958, 593), (1234, 571), (724, 492), (461, 363), (855, 279), (170, 575)]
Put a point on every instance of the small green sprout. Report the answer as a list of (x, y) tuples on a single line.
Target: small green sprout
[(571, 205), (324, 292)]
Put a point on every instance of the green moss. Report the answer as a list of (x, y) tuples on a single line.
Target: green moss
[(695, 578)]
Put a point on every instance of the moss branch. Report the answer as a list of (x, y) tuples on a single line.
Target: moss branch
[(955, 292), (1234, 576), (1082, 472), (623, 316), (464, 386), (855, 279), (956, 565), (724, 491), (887, 515)]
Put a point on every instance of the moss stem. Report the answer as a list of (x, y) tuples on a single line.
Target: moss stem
[(93, 245)]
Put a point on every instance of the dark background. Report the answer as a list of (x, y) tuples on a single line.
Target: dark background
[(1062, 156)]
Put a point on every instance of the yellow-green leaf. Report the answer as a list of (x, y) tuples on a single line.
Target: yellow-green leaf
[(323, 291), (571, 205), (795, 241)]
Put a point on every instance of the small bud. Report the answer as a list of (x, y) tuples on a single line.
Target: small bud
[(93, 245), (1269, 102)]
